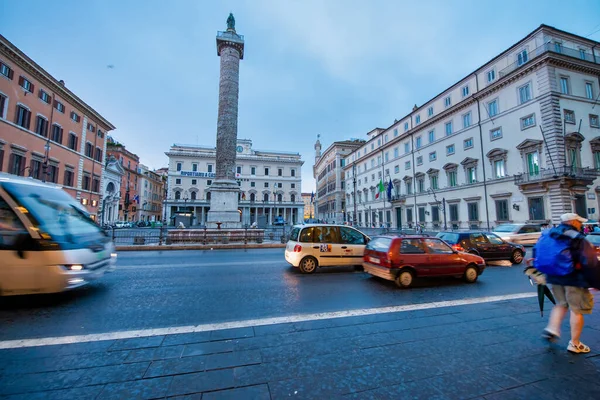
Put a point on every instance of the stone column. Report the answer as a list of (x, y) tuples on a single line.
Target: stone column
[(225, 190)]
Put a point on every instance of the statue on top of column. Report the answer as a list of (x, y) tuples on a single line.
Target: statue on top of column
[(231, 22)]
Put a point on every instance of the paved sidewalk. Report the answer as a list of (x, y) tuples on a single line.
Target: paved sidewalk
[(484, 351)]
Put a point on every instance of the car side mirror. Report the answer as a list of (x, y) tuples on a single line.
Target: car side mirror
[(22, 242)]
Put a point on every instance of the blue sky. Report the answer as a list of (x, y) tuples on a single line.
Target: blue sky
[(337, 68)]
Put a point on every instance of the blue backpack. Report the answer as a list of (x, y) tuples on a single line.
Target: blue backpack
[(553, 252)]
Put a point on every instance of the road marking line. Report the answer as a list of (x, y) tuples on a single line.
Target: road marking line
[(95, 337)]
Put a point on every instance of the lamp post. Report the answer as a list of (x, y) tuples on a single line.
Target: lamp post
[(45, 165)]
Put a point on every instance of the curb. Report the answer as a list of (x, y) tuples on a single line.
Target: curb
[(201, 247)]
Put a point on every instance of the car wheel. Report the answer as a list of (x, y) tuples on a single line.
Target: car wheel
[(473, 252), (471, 274), (517, 257), (358, 268), (308, 265), (405, 278)]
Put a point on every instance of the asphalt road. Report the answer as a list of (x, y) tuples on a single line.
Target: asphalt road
[(177, 288)]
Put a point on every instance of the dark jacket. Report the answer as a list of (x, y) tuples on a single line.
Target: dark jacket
[(580, 251)]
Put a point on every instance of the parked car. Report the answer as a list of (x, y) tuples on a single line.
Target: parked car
[(519, 233), (320, 245), (403, 258), (594, 239), (484, 244), (121, 224), (279, 221)]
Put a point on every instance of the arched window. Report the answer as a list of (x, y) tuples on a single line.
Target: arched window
[(252, 197), (266, 197), (279, 197), (293, 198), (110, 187), (207, 195), (177, 195), (193, 195)]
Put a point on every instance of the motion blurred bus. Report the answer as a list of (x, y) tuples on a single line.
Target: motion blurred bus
[(48, 242)]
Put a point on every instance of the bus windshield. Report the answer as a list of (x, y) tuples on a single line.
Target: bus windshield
[(54, 212)]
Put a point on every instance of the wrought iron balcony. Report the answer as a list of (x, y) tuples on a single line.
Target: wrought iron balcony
[(548, 174)]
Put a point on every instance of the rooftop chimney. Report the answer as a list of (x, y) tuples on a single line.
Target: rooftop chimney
[(62, 82)]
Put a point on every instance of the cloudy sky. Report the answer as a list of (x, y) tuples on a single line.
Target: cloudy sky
[(337, 68)]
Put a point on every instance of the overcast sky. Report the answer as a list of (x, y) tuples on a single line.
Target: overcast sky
[(337, 68)]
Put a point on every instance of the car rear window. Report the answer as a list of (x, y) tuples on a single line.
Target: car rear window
[(294, 234), (448, 237), (379, 244)]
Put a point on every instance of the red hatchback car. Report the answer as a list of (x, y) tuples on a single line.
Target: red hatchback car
[(404, 258)]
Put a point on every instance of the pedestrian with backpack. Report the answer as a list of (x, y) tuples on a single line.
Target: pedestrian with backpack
[(562, 254)]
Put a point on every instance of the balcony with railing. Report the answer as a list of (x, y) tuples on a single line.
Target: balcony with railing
[(549, 174), (549, 47), (230, 36)]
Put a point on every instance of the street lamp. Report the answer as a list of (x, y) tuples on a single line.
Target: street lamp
[(45, 165)]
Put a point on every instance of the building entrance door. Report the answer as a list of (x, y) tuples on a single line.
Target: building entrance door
[(580, 205), (399, 217)]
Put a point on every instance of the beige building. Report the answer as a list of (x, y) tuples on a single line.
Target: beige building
[(329, 174), (516, 140), (270, 184), (309, 208)]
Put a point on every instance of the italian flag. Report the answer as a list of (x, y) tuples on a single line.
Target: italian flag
[(380, 189)]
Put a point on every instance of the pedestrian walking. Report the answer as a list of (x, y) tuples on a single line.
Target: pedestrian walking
[(567, 258)]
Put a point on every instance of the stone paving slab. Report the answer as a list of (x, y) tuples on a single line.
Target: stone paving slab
[(484, 351)]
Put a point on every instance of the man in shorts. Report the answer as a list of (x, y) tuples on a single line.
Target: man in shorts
[(570, 291)]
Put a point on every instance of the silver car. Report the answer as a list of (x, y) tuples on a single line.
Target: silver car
[(525, 234)]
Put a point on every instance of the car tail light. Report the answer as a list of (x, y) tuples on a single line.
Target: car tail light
[(297, 248), (457, 247)]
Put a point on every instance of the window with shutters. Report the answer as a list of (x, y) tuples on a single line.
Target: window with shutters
[(89, 149), (60, 107), (100, 134), (57, 134), (41, 126), (502, 210), (68, 179), (72, 141), (3, 105), (35, 169), (16, 164), (90, 127), (473, 211), (75, 117), (86, 182), (44, 96), (96, 184), (26, 84), (23, 116), (98, 154), (453, 208), (6, 70), (52, 174)]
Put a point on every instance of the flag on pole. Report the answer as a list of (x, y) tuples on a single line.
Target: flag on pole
[(389, 190), (243, 195), (380, 189)]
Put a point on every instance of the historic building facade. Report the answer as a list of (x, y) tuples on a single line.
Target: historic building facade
[(270, 184), (151, 195), (517, 140), (309, 208), (129, 196), (111, 195), (47, 132), (329, 174)]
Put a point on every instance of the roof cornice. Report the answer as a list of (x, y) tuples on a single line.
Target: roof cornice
[(43, 76)]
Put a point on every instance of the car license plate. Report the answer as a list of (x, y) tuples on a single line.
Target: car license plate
[(374, 260)]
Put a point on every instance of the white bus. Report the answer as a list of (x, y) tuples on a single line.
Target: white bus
[(48, 242)]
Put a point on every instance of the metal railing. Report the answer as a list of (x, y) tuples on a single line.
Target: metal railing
[(561, 172), (172, 236)]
